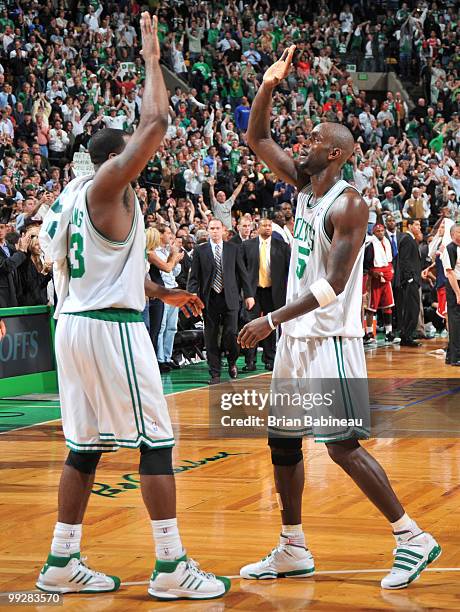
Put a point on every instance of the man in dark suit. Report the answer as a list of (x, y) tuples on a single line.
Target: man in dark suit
[(244, 230), (267, 262), (10, 260), (410, 271), (394, 236), (217, 274)]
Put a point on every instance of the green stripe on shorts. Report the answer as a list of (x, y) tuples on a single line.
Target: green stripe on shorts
[(120, 328), (341, 377), (133, 367), (345, 379)]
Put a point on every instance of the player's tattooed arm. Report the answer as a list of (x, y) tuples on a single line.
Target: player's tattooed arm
[(259, 135), (346, 225)]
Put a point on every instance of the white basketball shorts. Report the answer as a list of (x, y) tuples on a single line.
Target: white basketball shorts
[(324, 382), (109, 383)]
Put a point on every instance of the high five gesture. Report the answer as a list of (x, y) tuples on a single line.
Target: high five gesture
[(149, 35)]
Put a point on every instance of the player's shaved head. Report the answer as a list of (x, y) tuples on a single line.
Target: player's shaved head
[(106, 142), (329, 144), (339, 136)]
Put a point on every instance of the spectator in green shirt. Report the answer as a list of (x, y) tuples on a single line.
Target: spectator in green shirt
[(5, 21), (236, 88), (235, 155), (200, 72)]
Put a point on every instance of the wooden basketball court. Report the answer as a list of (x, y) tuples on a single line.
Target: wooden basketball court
[(228, 514)]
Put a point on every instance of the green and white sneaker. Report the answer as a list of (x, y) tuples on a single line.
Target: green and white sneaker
[(71, 575), (284, 561), (183, 579), (411, 558)]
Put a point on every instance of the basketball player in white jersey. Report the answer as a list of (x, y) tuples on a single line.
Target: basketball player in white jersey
[(321, 337), (109, 381)]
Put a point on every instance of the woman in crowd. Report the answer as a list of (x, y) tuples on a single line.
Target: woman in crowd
[(157, 265), (34, 275)]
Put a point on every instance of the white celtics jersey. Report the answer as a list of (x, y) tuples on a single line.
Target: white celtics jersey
[(104, 273), (310, 252)]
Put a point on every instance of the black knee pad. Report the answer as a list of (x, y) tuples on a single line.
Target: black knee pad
[(84, 462), (155, 461), (286, 451)]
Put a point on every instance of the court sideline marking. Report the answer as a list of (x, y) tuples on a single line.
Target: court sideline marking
[(318, 573), (323, 573)]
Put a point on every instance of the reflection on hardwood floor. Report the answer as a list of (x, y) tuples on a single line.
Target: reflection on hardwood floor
[(228, 514)]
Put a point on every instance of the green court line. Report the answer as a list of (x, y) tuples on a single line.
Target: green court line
[(16, 413)]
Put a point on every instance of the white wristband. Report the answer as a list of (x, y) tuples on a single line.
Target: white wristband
[(270, 322), (323, 292)]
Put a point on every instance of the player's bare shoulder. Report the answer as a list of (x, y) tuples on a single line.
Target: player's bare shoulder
[(348, 215), (349, 209)]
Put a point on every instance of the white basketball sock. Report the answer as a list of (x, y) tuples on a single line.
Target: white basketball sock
[(388, 328), (294, 533), (66, 539), (168, 545), (405, 526), (369, 330)]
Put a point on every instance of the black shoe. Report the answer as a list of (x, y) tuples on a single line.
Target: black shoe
[(369, 339), (455, 363), (232, 371), (391, 338), (447, 361), (173, 365), (164, 367), (250, 367), (410, 342), (215, 380), (269, 366)]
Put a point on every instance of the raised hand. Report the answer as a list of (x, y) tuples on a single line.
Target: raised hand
[(149, 33), (23, 243), (280, 69)]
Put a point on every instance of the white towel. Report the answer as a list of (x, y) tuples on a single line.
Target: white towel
[(447, 239), (54, 236), (382, 252)]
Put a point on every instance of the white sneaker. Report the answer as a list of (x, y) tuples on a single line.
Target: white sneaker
[(411, 558), (183, 579), (70, 575), (284, 561)]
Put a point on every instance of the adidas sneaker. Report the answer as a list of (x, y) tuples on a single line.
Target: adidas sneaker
[(411, 557), (284, 561), (71, 575), (183, 579)]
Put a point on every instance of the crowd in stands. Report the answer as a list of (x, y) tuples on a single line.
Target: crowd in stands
[(68, 69)]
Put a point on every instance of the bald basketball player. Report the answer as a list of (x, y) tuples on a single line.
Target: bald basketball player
[(322, 339)]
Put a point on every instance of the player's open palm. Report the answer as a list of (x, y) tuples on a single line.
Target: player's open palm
[(149, 34), (280, 69)]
